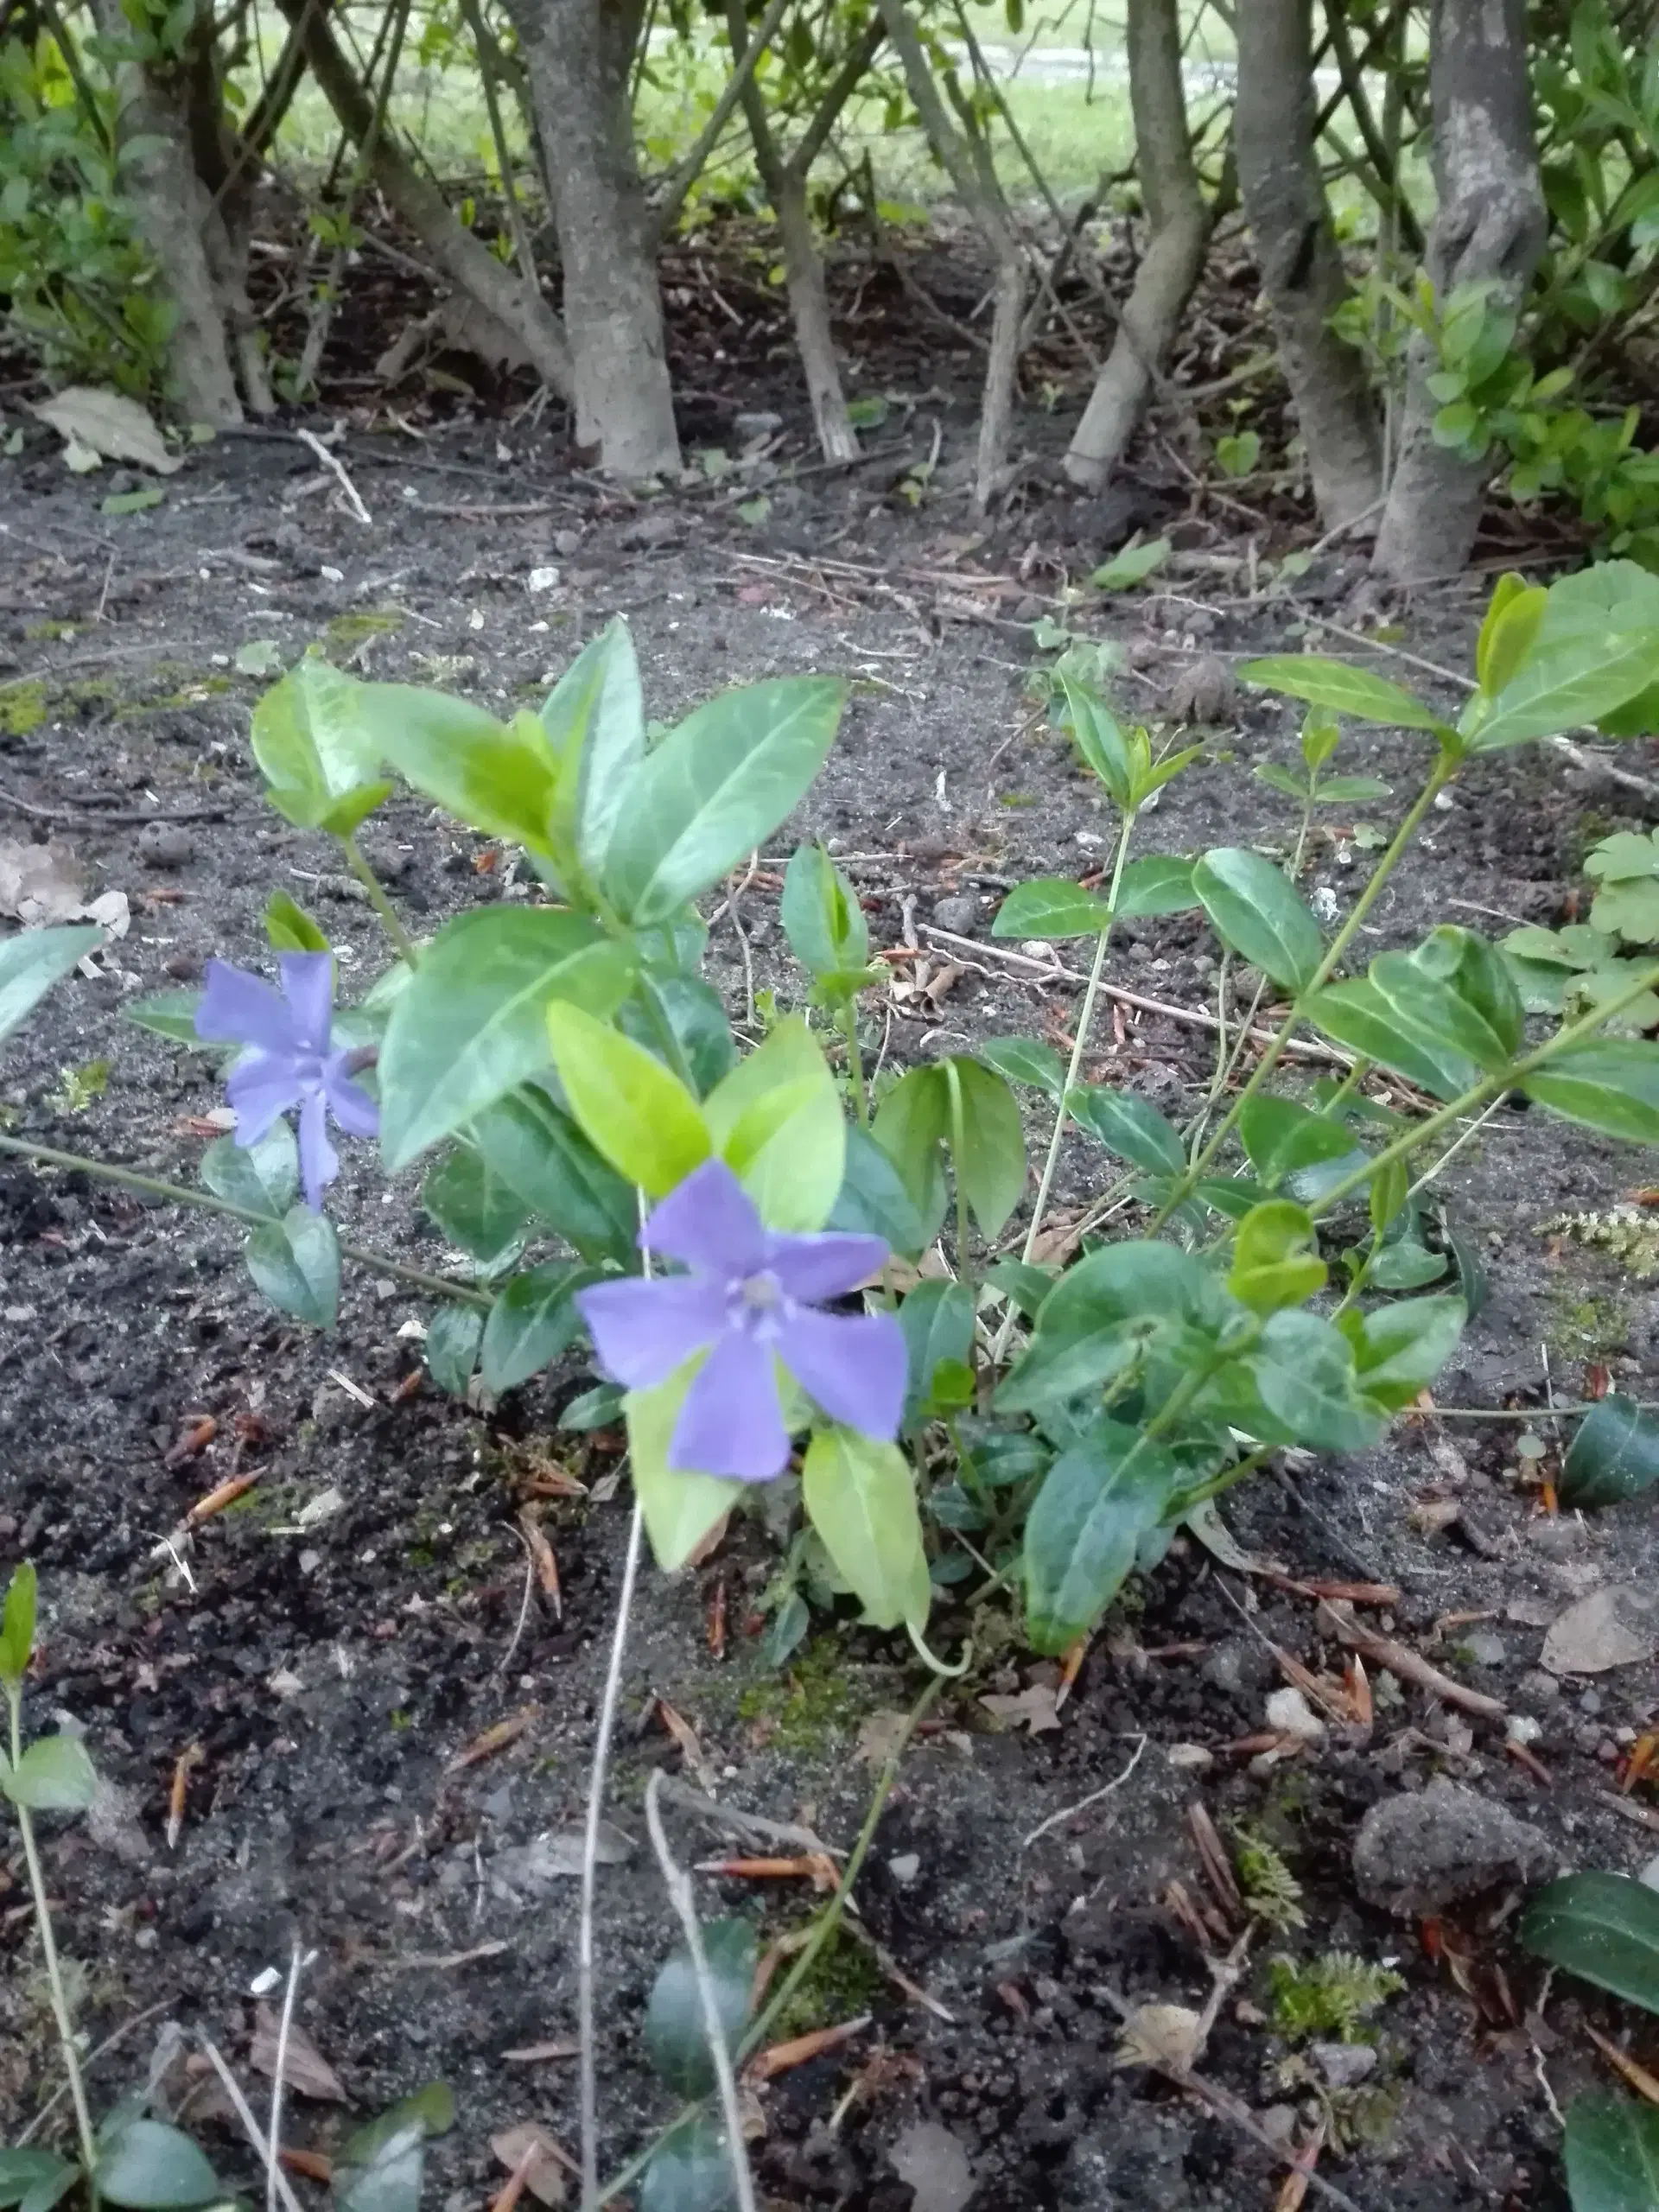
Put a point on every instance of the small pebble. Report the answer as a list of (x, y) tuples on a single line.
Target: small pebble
[(958, 914), (1536, 1687), (1486, 1648), (1344, 2064), (1589, 1700), (165, 844)]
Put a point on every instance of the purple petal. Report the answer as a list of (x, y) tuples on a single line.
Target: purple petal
[(851, 1364), (319, 1161), (812, 1268), (730, 1423), (643, 1331), (238, 1009), (708, 1222), (262, 1086), (349, 1103), (309, 986)]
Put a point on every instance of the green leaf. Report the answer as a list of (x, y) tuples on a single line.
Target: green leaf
[(257, 657), (53, 1775), (430, 2109), (937, 1319), (695, 1012), (500, 780), (17, 1624), (872, 1200), (1096, 1502), (553, 1171), (34, 2180), (910, 1127), (1614, 1456), (472, 1022), (1099, 739), (1132, 566), (1389, 1188), (1025, 1059), (679, 1507), (1304, 1372), (1332, 683), (860, 1496), (452, 1340), (1628, 909), (1278, 778), (1399, 1349), (1102, 1314), (1160, 884), (676, 2034), (1275, 1263), (315, 749), (777, 1122), (1130, 1128), (990, 1162), (1578, 680), (1455, 991), (171, 1014), (262, 1176), (633, 1112), (1051, 906), (1612, 2155), (1607, 1084), (690, 2170), (1404, 1265), (289, 928), (531, 1322), (1255, 912), (1603, 1927), (1281, 1137), (1342, 790), (154, 2168), (1358, 1015), (1515, 614), (295, 1262), (474, 1206), (716, 787), (381, 2167), (821, 918), (595, 718), (33, 961)]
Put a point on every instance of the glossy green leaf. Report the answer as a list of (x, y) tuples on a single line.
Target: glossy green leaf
[(1084, 1527), (937, 1319), (1274, 1262), (1515, 614), (989, 1153), (531, 1322), (380, 2167), (17, 1624), (1358, 1015), (690, 2170), (33, 961), (1101, 1313), (474, 1206), (1281, 1137), (34, 2180), (676, 2032), (1160, 884), (555, 1173), (53, 1775), (1405, 1264), (1356, 691), (1399, 1349), (1132, 566), (1051, 906), (595, 723), (1608, 1084), (873, 1201), (716, 788), (694, 1013), (1612, 2155), (319, 759), (1099, 739), (171, 1014), (1614, 1456), (821, 918), (471, 1023), (910, 1127), (860, 1496), (289, 928), (679, 1507), (430, 2108), (1603, 1927), (1025, 1059), (1130, 1128), (1579, 680), (1254, 910), (633, 1111), (1456, 990), (499, 778), (777, 1122), (451, 1341), (1303, 1369), (155, 2168), (295, 1262), (262, 1176)]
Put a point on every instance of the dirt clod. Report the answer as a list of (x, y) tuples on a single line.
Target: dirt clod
[(1419, 1853)]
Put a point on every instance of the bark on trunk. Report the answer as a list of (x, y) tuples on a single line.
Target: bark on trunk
[(1179, 224), (577, 54), (175, 212), (1491, 224), (499, 297), (1274, 130)]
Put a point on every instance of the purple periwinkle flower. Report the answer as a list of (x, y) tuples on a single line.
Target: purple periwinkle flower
[(289, 1060), (752, 1297)]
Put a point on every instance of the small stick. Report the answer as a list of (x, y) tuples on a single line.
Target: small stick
[(1408, 1665), (251, 2126), (273, 2153), (333, 461), (1643, 1815), (1093, 1798)]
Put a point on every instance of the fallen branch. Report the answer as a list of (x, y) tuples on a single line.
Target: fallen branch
[(1335, 1620)]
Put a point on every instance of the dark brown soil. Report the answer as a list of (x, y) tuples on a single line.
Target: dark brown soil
[(330, 1671)]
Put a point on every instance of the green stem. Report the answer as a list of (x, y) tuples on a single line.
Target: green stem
[(53, 1971), (848, 1023), (1345, 1089), (178, 1194), (1445, 766), (378, 898), (958, 1153)]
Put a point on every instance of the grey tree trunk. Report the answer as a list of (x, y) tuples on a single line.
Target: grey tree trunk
[(577, 54), (1179, 224), (1491, 224), (1279, 180)]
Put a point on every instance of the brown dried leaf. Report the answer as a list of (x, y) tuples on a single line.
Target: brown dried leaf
[(41, 884), (1037, 1707), (1169, 2035), (305, 2070), (548, 2164)]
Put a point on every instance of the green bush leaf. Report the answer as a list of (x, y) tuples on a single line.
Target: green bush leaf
[(289, 928), (937, 1319), (695, 1012), (1352, 790), (1132, 566), (1561, 685), (53, 1775), (1096, 1502), (1399, 1349), (452, 1341), (1255, 912), (553, 1171), (675, 2035), (531, 1322), (991, 1164), (821, 918), (1356, 691), (1303, 1369), (1099, 739), (381, 2167), (475, 1206), (1281, 1138), (1130, 1128), (1358, 1015), (1100, 1316), (295, 1262), (17, 1624), (873, 1201), (1515, 615), (34, 2180), (34, 960), (679, 1507), (860, 1496), (501, 781), (1612, 2155), (1608, 1084), (262, 1176), (1455, 991), (716, 787), (632, 1111), (595, 722), (471, 1023), (1613, 1458), (1160, 884), (171, 1014), (1025, 1059), (1603, 1927), (154, 2168), (777, 1122), (1051, 906), (690, 2170), (910, 1127), (315, 750), (1275, 1263)]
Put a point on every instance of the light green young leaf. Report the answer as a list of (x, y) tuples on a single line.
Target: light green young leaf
[(1051, 906), (33, 961), (53, 1775), (821, 918), (17, 1624), (595, 723), (1356, 691), (1274, 1262), (860, 1496), (680, 1508), (777, 1122), (289, 928), (991, 1164), (1132, 566), (316, 749)]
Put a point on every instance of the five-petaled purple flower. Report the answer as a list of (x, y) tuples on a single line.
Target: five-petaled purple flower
[(289, 1061), (752, 1297)]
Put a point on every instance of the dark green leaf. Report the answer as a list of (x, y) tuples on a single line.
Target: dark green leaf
[(17, 1624), (1358, 1015), (499, 779), (821, 918), (937, 1319), (1280, 1137), (1303, 1369), (1399, 1349), (452, 1341), (33, 961), (544, 1160), (34, 2179), (1095, 1321), (431, 2109), (695, 1013), (600, 1407), (716, 787), (690, 2170), (990, 1157), (1051, 906), (676, 2038), (1614, 1456), (1608, 1084), (530, 1324), (1603, 1927), (262, 1176), (1130, 1128), (471, 1025), (1158, 884), (474, 1206), (1405, 1265), (53, 1775), (595, 724), (1612, 2155), (1132, 566), (910, 1127), (171, 1014), (289, 928), (1024, 1059), (1024, 1286), (1356, 691), (787, 1631), (381, 2167), (1255, 912), (1471, 1269), (295, 1262), (1096, 1502), (1098, 738), (874, 1200), (155, 2168), (1457, 990)]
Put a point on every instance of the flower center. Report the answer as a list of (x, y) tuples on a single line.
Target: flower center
[(758, 1304)]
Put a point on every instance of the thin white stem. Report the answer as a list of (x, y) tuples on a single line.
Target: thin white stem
[(1452, 1150), (678, 1885), (250, 2126), (53, 1969), (273, 2170)]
